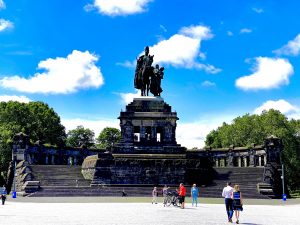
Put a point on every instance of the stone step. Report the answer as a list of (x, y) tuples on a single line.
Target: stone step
[(60, 180), (131, 191)]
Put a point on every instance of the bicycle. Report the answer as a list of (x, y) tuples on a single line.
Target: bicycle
[(172, 198)]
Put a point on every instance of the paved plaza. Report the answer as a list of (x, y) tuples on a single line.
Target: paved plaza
[(114, 213)]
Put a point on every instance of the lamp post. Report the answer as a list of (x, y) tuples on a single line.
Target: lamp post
[(282, 178)]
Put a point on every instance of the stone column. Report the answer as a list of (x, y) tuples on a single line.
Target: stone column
[(223, 162), (230, 159), (46, 160), (52, 159), (167, 133), (251, 161), (265, 160), (153, 134), (259, 160), (142, 133), (217, 162), (239, 162), (245, 162), (75, 160)]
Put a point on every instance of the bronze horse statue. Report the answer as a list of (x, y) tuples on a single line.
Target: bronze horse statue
[(144, 71)]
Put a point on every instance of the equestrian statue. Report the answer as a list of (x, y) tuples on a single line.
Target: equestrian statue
[(146, 76)]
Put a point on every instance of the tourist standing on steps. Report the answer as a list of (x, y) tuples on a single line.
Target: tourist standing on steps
[(237, 202), (194, 195), (3, 194), (227, 193), (154, 195), (182, 193)]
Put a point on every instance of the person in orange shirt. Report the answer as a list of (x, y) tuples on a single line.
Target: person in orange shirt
[(182, 193)]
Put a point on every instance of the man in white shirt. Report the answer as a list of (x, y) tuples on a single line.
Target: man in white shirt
[(227, 191)]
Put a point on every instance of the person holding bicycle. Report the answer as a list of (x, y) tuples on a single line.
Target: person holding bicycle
[(182, 193), (165, 194)]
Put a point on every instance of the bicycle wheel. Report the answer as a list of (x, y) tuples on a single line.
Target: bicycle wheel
[(168, 200), (176, 201)]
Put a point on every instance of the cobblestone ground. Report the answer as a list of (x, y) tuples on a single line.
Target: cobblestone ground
[(140, 214)]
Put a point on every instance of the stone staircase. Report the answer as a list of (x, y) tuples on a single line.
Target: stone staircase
[(58, 175), (246, 177), (60, 180)]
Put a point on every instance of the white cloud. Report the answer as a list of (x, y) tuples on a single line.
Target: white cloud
[(208, 84), (258, 10), (128, 97), (127, 64), (245, 31), (61, 75), (183, 49), (281, 105), (5, 24), (193, 134), (22, 98), (118, 7), (95, 125), (291, 48), (229, 33), (268, 73), (2, 4)]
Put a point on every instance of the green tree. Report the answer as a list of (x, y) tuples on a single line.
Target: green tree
[(250, 129), (108, 137), (80, 136), (36, 119)]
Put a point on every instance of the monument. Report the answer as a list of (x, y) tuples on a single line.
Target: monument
[(148, 152)]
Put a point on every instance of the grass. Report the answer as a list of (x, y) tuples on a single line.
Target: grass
[(295, 194)]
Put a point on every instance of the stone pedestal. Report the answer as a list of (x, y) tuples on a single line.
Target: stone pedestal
[(147, 153), (152, 120)]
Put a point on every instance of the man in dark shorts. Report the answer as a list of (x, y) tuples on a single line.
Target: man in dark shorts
[(182, 192)]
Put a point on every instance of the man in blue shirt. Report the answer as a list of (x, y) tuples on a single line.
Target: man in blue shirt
[(194, 195)]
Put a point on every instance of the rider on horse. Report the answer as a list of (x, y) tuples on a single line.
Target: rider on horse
[(143, 71)]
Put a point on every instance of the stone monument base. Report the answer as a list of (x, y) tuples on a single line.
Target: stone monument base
[(135, 169)]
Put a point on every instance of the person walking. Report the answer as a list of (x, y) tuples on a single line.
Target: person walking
[(227, 193), (154, 195), (237, 202), (182, 193), (194, 195), (3, 194), (165, 193)]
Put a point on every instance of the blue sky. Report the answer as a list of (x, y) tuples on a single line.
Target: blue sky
[(222, 59)]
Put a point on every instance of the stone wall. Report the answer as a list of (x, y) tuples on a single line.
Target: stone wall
[(135, 169)]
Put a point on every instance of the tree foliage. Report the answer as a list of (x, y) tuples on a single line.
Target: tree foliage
[(80, 136), (36, 119), (108, 137), (250, 129)]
